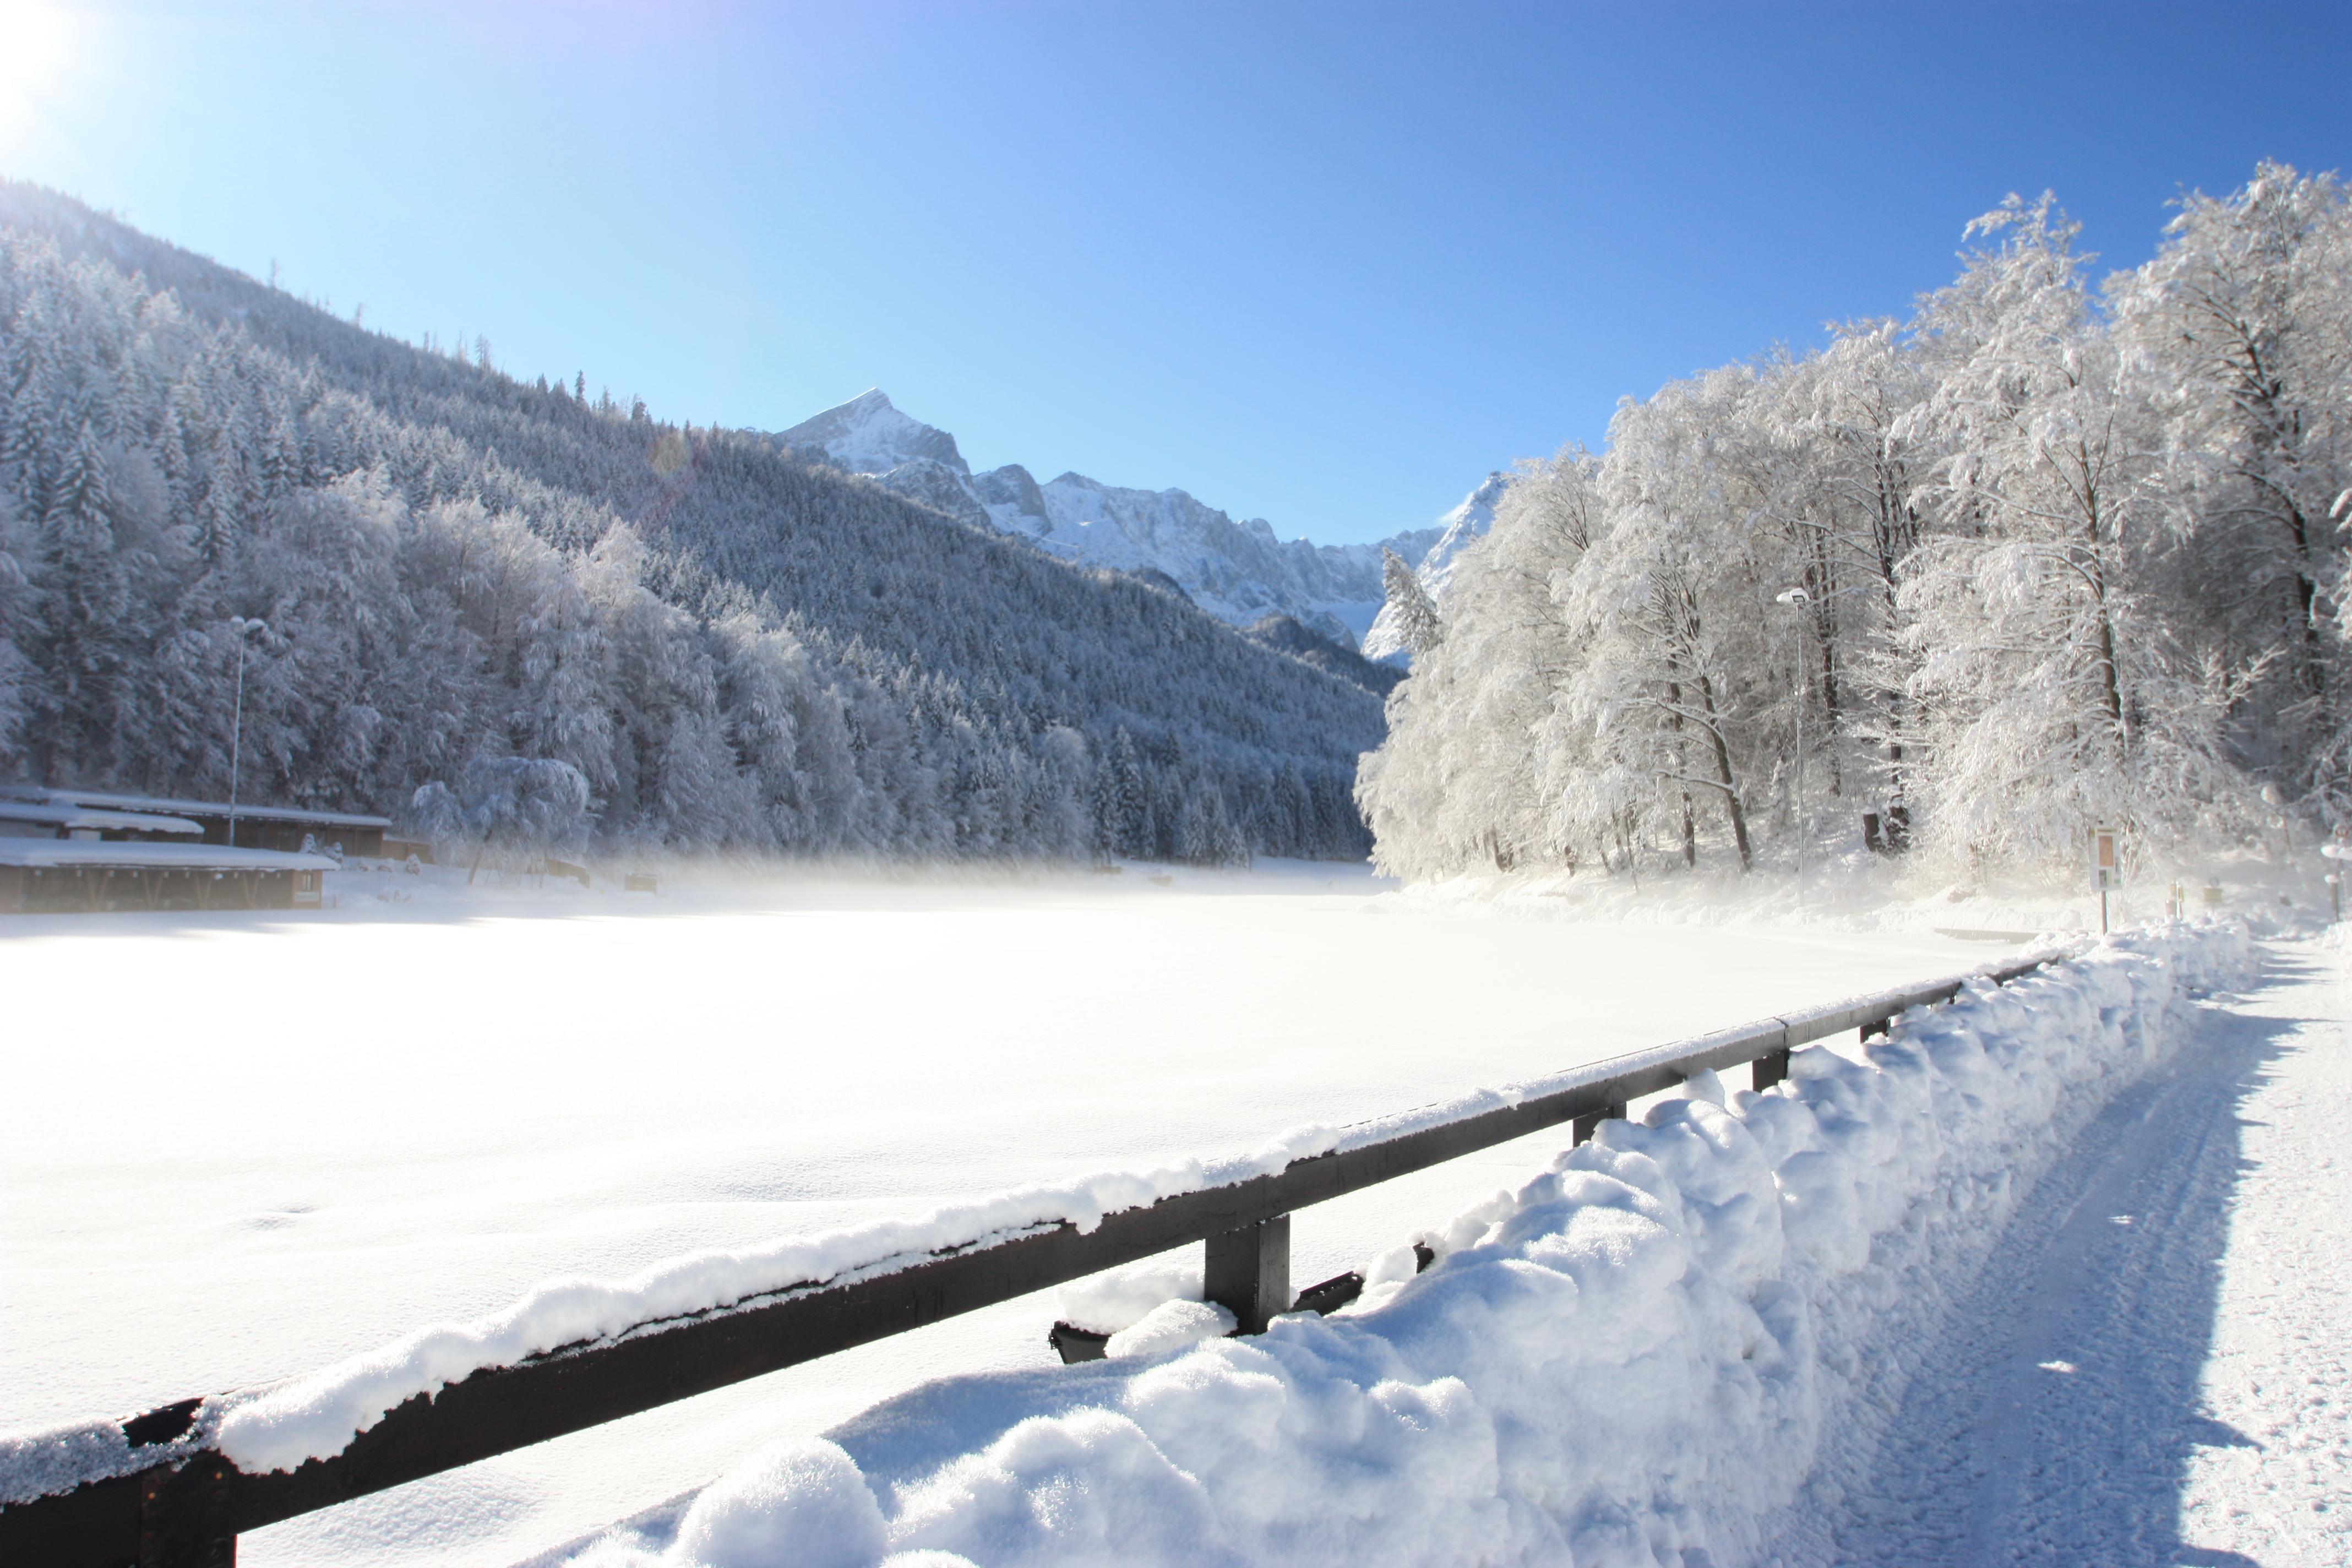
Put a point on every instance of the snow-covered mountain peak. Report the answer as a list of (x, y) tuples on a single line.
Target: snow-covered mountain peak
[(1467, 521), (870, 435), (1239, 570)]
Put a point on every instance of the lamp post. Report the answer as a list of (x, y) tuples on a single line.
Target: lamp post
[(243, 628), (1795, 598)]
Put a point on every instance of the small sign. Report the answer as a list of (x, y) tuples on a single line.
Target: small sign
[(2105, 858)]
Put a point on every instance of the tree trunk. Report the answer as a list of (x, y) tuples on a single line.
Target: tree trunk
[(1690, 831), (1726, 782), (1820, 583)]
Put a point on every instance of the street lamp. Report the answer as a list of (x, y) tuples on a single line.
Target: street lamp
[(1794, 598), (243, 628)]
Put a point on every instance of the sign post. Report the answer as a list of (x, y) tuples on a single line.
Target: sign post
[(2339, 851), (2108, 863)]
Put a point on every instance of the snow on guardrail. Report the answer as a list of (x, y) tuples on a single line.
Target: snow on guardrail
[(1629, 1360)]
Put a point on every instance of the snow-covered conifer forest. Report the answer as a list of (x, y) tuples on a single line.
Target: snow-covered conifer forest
[(2051, 553), (737, 649)]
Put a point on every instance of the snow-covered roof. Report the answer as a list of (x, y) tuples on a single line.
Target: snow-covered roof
[(71, 817), (105, 802), (72, 852)]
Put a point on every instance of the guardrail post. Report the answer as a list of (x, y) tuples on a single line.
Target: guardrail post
[(1248, 1272), (183, 1519), (1767, 1069), (1585, 1126)]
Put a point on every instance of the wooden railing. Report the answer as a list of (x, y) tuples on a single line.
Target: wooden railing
[(187, 1510)]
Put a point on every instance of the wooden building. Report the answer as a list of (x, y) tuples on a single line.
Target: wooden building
[(56, 876), (257, 826)]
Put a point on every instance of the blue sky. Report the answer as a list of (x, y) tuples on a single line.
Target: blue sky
[(1326, 264)]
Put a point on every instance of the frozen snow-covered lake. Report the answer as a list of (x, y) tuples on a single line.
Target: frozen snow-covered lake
[(240, 1147)]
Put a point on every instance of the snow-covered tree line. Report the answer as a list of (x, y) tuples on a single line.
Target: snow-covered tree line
[(2042, 557), (735, 650)]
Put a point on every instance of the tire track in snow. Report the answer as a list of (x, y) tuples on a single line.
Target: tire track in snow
[(2058, 1415)]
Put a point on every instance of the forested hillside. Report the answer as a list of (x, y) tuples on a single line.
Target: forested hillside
[(738, 650), (2041, 558)]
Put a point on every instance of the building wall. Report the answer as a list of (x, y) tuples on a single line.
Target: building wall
[(68, 889), (263, 832)]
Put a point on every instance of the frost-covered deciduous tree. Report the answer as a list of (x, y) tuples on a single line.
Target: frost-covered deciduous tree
[(2052, 691), (2242, 330), (1852, 468), (518, 810), (1481, 700), (1676, 683)]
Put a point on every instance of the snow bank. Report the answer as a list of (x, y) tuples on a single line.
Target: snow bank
[(1628, 1361)]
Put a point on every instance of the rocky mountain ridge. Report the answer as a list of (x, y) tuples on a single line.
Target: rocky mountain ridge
[(1237, 571)]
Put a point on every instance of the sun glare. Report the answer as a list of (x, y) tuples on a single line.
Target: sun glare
[(35, 51)]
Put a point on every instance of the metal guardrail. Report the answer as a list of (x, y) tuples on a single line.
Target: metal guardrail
[(186, 1513)]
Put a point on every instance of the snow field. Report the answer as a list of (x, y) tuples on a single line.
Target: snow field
[(1629, 1360)]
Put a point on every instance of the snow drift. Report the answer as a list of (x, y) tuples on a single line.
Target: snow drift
[(1629, 1360)]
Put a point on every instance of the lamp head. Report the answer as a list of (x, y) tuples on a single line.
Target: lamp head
[(1793, 597)]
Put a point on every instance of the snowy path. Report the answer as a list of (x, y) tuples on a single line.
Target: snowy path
[(2155, 1367)]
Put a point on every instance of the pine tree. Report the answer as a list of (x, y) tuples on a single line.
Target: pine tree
[(84, 591), (1415, 615), (1133, 834)]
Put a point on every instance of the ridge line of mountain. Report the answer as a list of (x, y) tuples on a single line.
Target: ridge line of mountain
[(1235, 569)]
